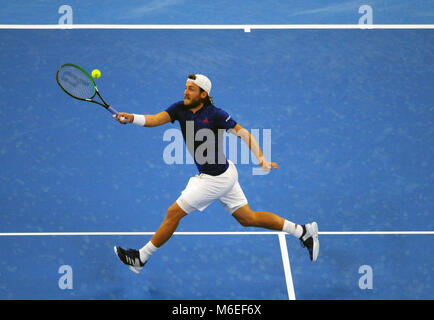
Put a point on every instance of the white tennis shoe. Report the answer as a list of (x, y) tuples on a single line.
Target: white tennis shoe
[(310, 240), (131, 258)]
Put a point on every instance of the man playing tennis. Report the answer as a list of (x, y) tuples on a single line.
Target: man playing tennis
[(218, 178)]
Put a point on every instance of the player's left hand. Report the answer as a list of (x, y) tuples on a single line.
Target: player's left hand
[(267, 166)]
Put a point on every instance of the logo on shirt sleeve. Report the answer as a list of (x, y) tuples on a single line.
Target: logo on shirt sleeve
[(227, 119)]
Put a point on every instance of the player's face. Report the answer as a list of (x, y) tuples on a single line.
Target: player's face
[(192, 95)]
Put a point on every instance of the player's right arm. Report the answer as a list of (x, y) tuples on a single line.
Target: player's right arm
[(151, 120)]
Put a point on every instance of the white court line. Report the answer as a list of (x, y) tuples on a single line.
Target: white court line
[(245, 27), (286, 266), (217, 233)]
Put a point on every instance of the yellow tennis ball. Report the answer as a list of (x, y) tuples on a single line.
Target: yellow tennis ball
[(96, 73)]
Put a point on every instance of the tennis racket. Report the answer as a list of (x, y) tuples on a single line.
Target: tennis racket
[(77, 83)]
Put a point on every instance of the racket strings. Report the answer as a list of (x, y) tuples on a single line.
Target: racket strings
[(76, 83)]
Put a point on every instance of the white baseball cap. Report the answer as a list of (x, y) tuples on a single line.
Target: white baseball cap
[(201, 80)]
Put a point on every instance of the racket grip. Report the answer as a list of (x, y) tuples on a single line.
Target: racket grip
[(114, 112)]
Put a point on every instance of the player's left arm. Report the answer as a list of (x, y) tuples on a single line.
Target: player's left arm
[(253, 145)]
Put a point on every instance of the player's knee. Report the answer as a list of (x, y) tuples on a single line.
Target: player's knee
[(174, 213), (248, 220), (244, 222)]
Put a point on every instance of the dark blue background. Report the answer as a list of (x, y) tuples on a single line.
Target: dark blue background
[(351, 116)]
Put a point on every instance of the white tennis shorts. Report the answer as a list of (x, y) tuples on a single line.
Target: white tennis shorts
[(203, 189)]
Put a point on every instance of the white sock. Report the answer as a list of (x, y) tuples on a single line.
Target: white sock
[(295, 229), (146, 251)]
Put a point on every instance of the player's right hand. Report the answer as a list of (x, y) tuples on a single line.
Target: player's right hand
[(124, 117)]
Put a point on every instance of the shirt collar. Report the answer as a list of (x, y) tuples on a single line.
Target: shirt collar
[(200, 110)]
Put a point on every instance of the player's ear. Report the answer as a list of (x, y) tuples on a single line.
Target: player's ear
[(203, 94)]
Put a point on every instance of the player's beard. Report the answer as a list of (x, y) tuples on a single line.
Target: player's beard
[(193, 103)]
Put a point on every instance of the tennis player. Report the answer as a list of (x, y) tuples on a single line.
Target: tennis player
[(217, 178)]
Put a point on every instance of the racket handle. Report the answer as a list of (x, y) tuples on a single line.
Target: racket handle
[(114, 112)]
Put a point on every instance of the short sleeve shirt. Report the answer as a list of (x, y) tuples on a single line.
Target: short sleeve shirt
[(203, 135)]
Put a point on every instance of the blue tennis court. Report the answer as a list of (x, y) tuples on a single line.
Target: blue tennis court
[(351, 119)]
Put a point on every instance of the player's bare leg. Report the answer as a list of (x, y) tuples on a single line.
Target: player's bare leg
[(308, 233), (168, 226), (249, 218)]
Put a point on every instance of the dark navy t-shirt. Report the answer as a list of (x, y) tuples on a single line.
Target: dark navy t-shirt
[(205, 145)]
